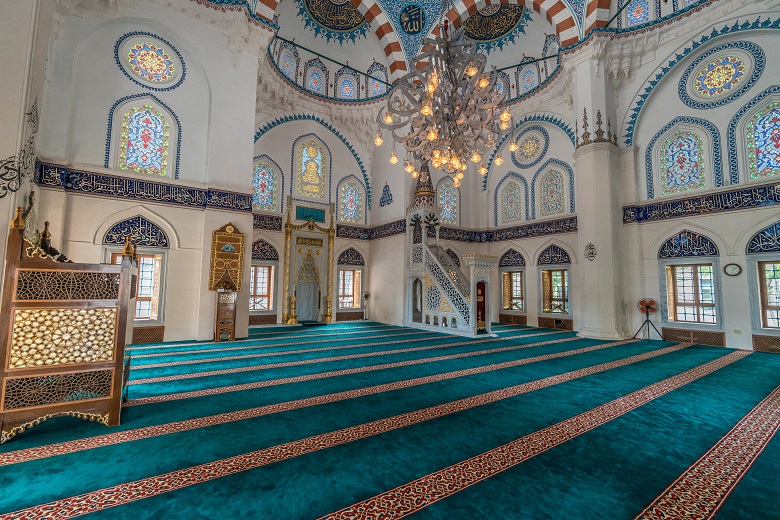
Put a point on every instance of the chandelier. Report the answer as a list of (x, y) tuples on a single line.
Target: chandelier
[(447, 110)]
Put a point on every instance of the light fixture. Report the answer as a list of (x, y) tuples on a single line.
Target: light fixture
[(393, 158), (447, 109), (378, 140), (498, 161), (513, 146)]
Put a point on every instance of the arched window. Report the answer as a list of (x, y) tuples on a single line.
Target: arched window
[(376, 72), (315, 80), (763, 138), (288, 60), (347, 87), (551, 46), (316, 75), (287, 65), (681, 161), (312, 166), (265, 181), (766, 246), (448, 201), (526, 76), (144, 140), (638, 11), (551, 194), (511, 205), (351, 202)]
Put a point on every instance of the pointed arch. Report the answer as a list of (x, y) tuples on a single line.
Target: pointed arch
[(527, 77), (143, 131), (142, 232), (686, 166), (131, 213), (262, 250), (448, 199), (346, 84), (562, 167), (767, 240), (311, 167), (499, 201), (552, 255), (739, 125), (552, 44), (267, 185), (687, 243), (373, 87), (316, 76), (288, 60), (512, 258), (350, 256), (350, 197)]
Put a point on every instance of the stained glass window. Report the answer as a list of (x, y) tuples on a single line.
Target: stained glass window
[(351, 203), (347, 88), (377, 88), (150, 62), (144, 141), (264, 184), (763, 137), (682, 167), (311, 177), (528, 78), (719, 76), (551, 192), (510, 203), (448, 201), (315, 81), (288, 68), (528, 148), (638, 11)]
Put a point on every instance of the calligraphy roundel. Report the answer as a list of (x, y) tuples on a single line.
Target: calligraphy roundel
[(493, 22), (412, 19), (149, 61)]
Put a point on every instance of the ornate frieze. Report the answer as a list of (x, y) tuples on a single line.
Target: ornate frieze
[(553, 255), (262, 250), (351, 256), (687, 243), (141, 231), (765, 241), (511, 258), (267, 222)]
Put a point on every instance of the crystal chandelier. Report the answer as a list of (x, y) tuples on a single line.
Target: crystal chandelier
[(447, 110)]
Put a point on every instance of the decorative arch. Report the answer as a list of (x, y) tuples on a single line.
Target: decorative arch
[(316, 76), (765, 241), (565, 127), (267, 185), (687, 243), (533, 142), (311, 168), (350, 196), (346, 84), (527, 77), (307, 117), (552, 44), (512, 258), (262, 250), (691, 126), (288, 60), (376, 88), (130, 140), (766, 101), (143, 232), (448, 199), (499, 200), (553, 255), (351, 256), (543, 169)]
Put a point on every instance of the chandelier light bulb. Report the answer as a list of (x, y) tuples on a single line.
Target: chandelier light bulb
[(415, 174), (463, 167), (389, 118), (513, 146), (378, 140), (504, 125), (393, 158), (471, 71), (484, 82), (408, 167), (498, 160), (475, 157), (433, 135), (505, 116), (456, 183), (426, 109), (482, 169)]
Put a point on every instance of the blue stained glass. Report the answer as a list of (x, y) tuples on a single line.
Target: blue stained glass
[(264, 184), (638, 11), (681, 163), (764, 139), (528, 79), (377, 88), (315, 81), (347, 88), (500, 87), (287, 65), (350, 203), (144, 145), (448, 201), (552, 190)]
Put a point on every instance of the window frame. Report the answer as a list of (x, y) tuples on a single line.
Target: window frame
[(361, 302), (273, 286), (503, 272), (109, 251), (567, 295), (755, 292), (663, 264)]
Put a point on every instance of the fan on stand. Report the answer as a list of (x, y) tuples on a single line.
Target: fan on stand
[(647, 306)]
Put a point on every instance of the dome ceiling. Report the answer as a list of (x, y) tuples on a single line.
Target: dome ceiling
[(496, 25), (336, 20)]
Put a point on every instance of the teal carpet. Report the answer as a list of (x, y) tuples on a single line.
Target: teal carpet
[(365, 420)]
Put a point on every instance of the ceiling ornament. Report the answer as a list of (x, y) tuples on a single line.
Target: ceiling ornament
[(448, 110), (336, 20), (495, 26)]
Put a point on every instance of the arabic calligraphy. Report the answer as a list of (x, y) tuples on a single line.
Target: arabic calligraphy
[(412, 19), (492, 23)]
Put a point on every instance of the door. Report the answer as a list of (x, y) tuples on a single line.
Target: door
[(481, 290)]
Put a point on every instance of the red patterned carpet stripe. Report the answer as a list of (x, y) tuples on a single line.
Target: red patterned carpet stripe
[(40, 452), (262, 345), (333, 373), (264, 354), (255, 337), (254, 368), (145, 488), (422, 492), (704, 487)]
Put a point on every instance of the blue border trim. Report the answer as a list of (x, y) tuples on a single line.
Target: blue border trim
[(119, 187), (731, 138), (717, 155), (240, 3), (281, 175), (305, 117), (498, 189), (544, 118), (546, 146), (639, 100), (568, 169), (293, 173), (166, 107), (759, 61), (135, 80), (745, 198)]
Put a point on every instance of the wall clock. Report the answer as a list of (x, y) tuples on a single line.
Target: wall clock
[(732, 269)]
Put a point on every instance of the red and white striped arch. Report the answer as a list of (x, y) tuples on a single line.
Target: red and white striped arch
[(596, 14), (385, 34)]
